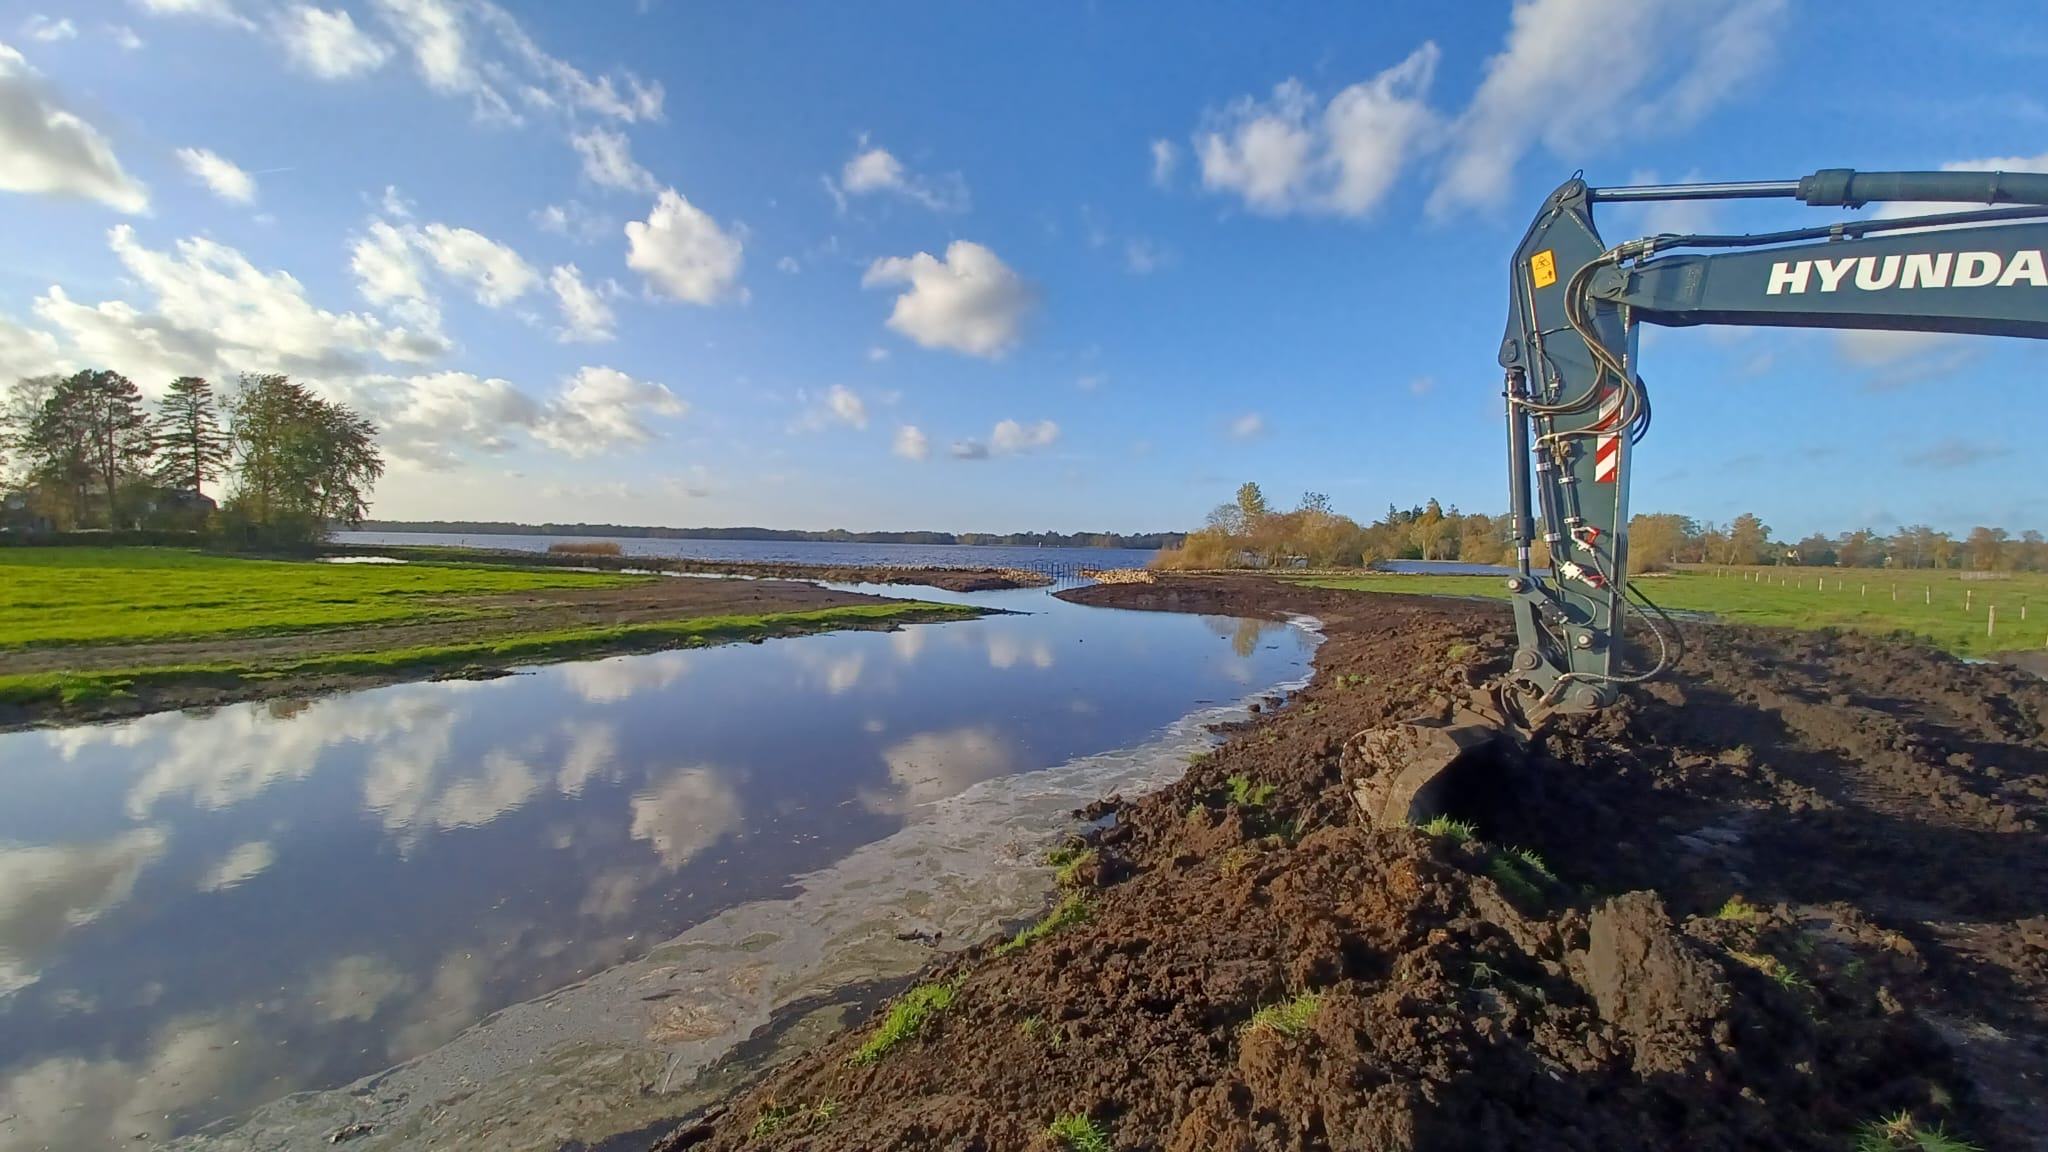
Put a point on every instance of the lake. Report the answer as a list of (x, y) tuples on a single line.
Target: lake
[(784, 551), (202, 913)]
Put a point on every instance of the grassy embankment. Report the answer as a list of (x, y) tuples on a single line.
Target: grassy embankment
[(1941, 607), (58, 597)]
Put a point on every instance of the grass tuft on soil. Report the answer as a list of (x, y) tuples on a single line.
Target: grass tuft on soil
[(1289, 1017), (1443, 827), (1077, 1133), (906, 1019), (1899, 1133), (1072, 910)]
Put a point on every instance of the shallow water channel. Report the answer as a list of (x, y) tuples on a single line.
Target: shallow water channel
[(627, 865)]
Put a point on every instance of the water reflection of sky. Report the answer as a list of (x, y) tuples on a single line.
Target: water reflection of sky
[(199, 912)]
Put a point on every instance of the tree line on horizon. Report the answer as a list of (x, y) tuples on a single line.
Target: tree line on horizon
[(85, 452), (1250, 533), (1144, 541)]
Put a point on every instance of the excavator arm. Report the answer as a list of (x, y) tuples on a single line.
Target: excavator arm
[(1576, 404)]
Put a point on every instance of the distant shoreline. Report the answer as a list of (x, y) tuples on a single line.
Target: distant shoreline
[(1152, 541)]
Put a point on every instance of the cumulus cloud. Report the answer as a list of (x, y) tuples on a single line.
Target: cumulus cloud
[(968, 450), (243, 863), (586, 315), (846, 406), (223, 177), (498, 274), (685, 814), (49, 891), (1292, 154), (970, 302), (41, 27), (934, 765), (433, 421), (603, 409), (576, 221), (621, 677), (1165, 158), (327, 43), (1249, 426), (1011, 438), (608, 161), (683, 252), (47, 150), (910, 443), (1631, 67), (877, 170), (70, 1101)]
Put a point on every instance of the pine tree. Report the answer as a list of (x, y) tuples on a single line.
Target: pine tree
[(192, 448), (91, 432)]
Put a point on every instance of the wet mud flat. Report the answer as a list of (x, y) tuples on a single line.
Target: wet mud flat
[(1797, 890)]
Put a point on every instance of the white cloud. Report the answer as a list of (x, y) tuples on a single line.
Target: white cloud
[(877, 170), (685, 814), (328, 44), (911, 443), (432, 421), (385, 266), (683, 252), (877, 354), (497, 273), (41, 27), (1165, 158), (220, 175), (846, 406), (603, 409), (608, 161), (215, 314), (70, 1101), (245, 862), (355, 987), (46, 150), (609, 681), (47, 891), (450, 44), (970, 302), (788, 264), (1289, 155), (934, 765), (968, 450), (1249, 426), (586, 315), (220, 11), (1012, 438), (125, 37), (1633, 68), (577, 222), (1142, 257)]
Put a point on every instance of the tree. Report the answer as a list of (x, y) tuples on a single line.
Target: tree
[(1749, 539), (90, 434), (1656, 539), (303, 462), (1817, 551), (192, 448), (18, 412), (1252, 503), (1987, 548)]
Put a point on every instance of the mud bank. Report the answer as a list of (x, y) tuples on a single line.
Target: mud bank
[(1796, 889)]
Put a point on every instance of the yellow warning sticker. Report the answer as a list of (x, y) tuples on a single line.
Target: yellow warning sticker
[(1543, 268)]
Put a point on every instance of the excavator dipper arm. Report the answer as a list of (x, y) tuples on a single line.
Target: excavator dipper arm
[(1576, 404)]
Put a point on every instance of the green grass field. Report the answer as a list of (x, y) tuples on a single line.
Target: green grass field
[(100, 595), (565, 644), (1929, 604)]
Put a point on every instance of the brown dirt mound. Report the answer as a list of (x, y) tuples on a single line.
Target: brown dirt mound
[(1874, 808)]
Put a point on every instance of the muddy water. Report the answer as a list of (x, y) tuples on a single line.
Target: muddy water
[(228, 927)]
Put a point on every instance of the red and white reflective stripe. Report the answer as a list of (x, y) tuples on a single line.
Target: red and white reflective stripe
[(1607, 445)]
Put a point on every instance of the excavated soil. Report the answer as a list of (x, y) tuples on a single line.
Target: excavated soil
[(1876, 808)]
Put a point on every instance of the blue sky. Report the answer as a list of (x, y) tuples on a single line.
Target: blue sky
[(985, 267)]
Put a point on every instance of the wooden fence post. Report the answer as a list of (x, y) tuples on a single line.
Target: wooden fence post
[(1990, 618)]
